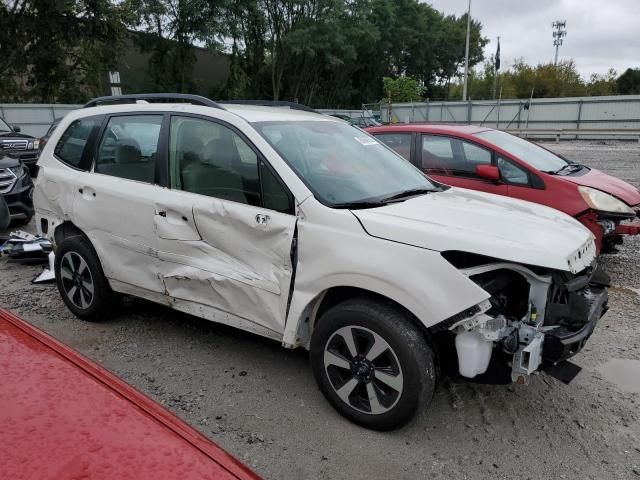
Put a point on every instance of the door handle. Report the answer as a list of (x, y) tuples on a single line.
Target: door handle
[(262, 219)]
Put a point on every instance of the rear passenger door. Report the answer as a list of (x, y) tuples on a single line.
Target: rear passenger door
[(115, 201), (453, 161), (236, 260)]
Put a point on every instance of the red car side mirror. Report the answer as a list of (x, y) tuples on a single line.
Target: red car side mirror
[(488, 172)]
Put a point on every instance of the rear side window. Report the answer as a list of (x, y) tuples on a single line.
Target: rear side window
[(128, 147), (72, 142)]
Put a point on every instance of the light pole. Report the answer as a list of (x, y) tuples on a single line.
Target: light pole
[(466, 54), (558, 34)]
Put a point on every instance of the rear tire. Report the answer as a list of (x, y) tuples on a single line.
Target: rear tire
[(81, 281), (380, 376)]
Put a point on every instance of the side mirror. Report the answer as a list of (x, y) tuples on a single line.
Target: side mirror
[(16, 128), (488, 172)]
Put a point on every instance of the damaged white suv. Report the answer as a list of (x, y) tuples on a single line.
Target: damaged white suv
[(304, 229)]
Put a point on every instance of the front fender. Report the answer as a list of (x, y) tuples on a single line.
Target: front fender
[(420, 280)]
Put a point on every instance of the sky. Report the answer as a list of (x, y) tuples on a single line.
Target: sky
[(601, 34)]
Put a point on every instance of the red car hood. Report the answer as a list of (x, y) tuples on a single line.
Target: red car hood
[(65, 417), (608, 184)]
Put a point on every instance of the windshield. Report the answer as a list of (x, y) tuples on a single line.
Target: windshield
[(4, 127), (528, 152), (342, 164)]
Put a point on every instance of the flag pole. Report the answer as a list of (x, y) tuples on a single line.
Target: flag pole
[(496, 69)]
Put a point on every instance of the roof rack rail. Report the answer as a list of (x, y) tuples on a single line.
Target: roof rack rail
[(153, 97), (271, 103)]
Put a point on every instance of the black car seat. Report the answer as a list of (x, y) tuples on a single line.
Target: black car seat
[(216, 174), (128, 163)]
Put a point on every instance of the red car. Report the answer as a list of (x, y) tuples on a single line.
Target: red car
[(62, 416), (493, 161)]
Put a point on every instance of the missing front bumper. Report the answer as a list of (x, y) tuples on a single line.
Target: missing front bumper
[(562, 342)]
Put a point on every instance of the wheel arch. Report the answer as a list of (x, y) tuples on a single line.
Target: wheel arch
[(68, 229), (334, 295), (65, 230)]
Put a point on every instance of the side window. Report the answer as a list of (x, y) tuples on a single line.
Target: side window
[(274, 195), (437, 153), (128, 147), (72, 142), (210, 159), (400, 142), (511, 173), (453, 156)]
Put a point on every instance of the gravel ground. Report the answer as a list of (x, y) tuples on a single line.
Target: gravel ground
[(259, 401)]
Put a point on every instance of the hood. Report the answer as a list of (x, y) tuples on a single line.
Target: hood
[(484, 224), (608, 184), (15, 136), (7, 161)]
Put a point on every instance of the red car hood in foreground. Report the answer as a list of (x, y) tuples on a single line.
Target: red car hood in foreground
[(608, 184), (64, 417)]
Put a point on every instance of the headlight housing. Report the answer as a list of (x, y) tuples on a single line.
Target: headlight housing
[(604, 202), (36, 144)]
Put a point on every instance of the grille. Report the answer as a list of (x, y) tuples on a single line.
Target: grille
[(7, 180), (15, 145)]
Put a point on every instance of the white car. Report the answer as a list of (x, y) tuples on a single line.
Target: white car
[(298, 227)]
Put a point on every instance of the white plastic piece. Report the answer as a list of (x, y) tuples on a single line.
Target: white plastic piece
[(527, 360), (474, 353), (47, 274)]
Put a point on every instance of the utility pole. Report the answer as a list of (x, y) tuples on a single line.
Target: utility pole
[(466, 55), (558, 34)]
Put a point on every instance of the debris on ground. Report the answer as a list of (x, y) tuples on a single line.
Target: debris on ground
[(48, 274), (26, 246)]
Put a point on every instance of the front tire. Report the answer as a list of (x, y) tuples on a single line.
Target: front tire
[(372, 363), (81, 281)]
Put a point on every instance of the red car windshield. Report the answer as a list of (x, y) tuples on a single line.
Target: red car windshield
[(528, 152)]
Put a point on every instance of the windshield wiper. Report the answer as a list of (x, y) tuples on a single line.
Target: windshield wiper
[(408, 193), (358, 204)]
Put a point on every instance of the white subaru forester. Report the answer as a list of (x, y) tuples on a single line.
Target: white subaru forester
[(299, 227)]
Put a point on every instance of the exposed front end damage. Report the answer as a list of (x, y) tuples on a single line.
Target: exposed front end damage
[(534, 316)]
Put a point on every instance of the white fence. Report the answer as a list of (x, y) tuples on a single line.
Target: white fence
[(34, 119), (546, 115), (616, 113)]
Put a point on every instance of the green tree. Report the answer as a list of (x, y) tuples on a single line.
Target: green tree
[(172, 27), (546, 81), (402, 89), (58, 51), (629, 82), (602, 84)]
